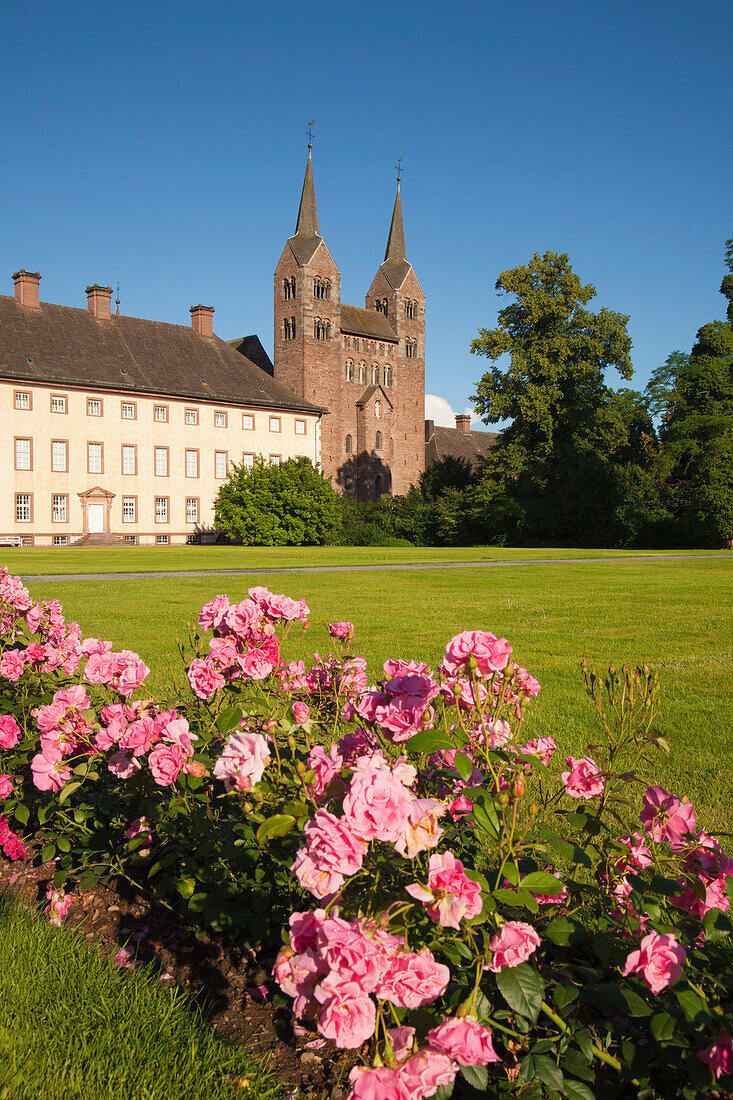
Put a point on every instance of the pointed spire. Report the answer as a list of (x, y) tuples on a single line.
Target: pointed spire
[(308, 212), (396, 248)]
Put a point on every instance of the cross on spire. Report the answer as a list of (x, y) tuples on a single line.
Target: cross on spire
[(309, 133), (398, 167)]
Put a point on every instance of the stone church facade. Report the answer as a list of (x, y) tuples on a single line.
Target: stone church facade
[(365, 366)]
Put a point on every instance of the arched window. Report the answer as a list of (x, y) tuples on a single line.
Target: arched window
[(289, 328), (388, 375), (375, 375), (286, 289), (385, 306), (378, 306), (348, 444), (349, 371), (321, 329), (362, 373), (410, 309), (377, 409), (411, 349), (385, 375), (327, 290), (379, 441)]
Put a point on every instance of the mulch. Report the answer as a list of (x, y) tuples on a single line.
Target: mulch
[(230, 985)]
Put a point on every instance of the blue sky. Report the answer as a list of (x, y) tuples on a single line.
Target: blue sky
[(163, 145)]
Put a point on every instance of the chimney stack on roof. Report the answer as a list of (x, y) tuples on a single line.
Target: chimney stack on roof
[(202, 319), (463, 422), (27, 288), (99, 302)]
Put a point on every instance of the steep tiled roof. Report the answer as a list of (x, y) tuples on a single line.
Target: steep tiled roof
[(67, 346), (472, 446), (251, 348), (396, 266), (366, 322), (307, 234)]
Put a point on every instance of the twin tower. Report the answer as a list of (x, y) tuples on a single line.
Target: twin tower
[(366, 367)]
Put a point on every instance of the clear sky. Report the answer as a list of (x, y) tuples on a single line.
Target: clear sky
[(163, 145)]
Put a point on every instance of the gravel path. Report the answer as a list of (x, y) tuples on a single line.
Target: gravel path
[(504, 562)]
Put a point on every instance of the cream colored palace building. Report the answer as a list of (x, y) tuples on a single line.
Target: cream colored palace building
[(118, 428)]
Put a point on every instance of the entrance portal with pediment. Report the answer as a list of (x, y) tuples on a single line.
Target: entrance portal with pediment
[(96, 505)]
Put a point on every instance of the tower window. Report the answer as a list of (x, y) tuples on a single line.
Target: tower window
[(411, 349), (388, 376), (289, 289), (375, 375), (322, 329), (289, 328), (379, 441), (348, 444), (322, 289), (410, 309), (349, 371), (362, 373)]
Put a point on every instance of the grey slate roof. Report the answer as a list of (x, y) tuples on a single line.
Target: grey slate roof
[(471, 446), (396, 266), (251, 348), (67, 346), (307, 234), (366, 322)]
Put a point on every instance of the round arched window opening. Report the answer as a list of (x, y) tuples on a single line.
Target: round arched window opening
[(379, 441)]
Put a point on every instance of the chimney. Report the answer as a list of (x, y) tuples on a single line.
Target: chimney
[(429, 430), (99, 302), (463, 422), (202, 319), (26, 288)]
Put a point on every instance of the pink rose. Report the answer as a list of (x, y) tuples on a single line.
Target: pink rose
[(450, 895), (301, 713), (511, 945), (584, 780), (298, 975), (10, 733), (490, 653), (204, 679), (377, 805), (243, 761), (49, 771), (380, 1083), (542, 747), (123, 764), (719, 1055), (131, 671), (282, 607), (411, 980), (350, 954), (348, 1015), (139, 736), (341, 631), (242, 617), (403, 716), (422, 831), (213, 612), (332, 853), (427, 1070), (137, 827), (465, 1041), (665, 816), (659, 960), (58, 906), (6, 786), (327, 766), (100, 667), (256, 664), (165, 762), (11, 665)]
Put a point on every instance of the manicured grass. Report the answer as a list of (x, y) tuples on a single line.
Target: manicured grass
[(676, 615), (153, 559), (73, 1026)]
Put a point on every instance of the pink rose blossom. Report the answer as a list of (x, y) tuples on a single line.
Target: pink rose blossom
[(422, 831), (327, 766), (380, 1083), (58, 906), (100, 668), (511, 945), (282, 607), (242, 617), (137, 827), (6, 786), (377, 805), (130, 673), (298, 975), (256, 664), (490, 653), (10, 733), (139, 736), (332, 853), (584, 780), (11, 665), (204, 679), (165, 762), (465, 1041), (301, 712), (401, 1040), (411, 980), (341, 630), (659, 960), (427, 1070), (349, 953), (665, 816), (719, 1055), (49, 772), (213, 612), (123, 764), (348, 1015), (450, 895), (243, 761), (542, 747)]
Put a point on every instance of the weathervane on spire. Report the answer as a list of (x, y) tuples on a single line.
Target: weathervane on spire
[(117, 301), (309, 132), (398, 166)]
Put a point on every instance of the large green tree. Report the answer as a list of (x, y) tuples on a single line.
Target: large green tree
[(693, 396), (555, 468), (290, 504)]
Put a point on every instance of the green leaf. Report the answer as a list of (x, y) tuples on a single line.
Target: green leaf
[(67, 789), (21, 813), (186, 887), (429, 741), (487, 819), (565, 932), (512, 873), (278, 825), (663, 1026), (691, 1004), (564, 995), (716, 925), (477, 1076), (548, 1072), (541, 882), (63, 844), (565, 848), (228, 720), (463, 765), (522, 989), (636, 1005), (48, 853), (444, 1092), (576, 1090)]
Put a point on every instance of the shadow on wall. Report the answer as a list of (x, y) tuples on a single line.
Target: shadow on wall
[(364, 477)]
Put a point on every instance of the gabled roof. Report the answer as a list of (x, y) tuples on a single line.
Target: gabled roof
[(307, 234), (67, 346), (366, 322), (471, 446), (396, 266), (369, 392), (251, 348)]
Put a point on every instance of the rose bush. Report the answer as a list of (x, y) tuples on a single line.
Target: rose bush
[(453, 904)]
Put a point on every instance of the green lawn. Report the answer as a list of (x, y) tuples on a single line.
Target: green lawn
[(73, 1027), (677, 616), (152, 559)]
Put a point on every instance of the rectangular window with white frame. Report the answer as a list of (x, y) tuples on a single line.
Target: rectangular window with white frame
[(191, 416), (161, 462), (161, 540), (128, 410), (58, 403), (192, 462), (94, 406), (220, 465), (248, 422), (248, 461), (129, 509), (192, 509), (95, 458), (24, 507), (275, 460), (129, 458), (161, 509), (61, 540), (59, 456), (160, 414), (23, 454), (300, 427), (220, 419), (59, 508), (23, 400), (275, 424)]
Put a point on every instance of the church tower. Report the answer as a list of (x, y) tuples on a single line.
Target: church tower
[(396, 292), (307, 316)]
